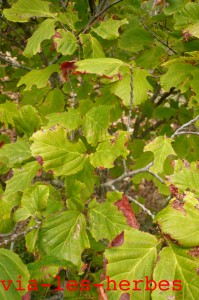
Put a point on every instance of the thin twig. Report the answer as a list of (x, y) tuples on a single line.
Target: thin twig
[(156, 37), (156, 176), (142, 206), (15, 236), (14, 63), (136, 202), (97, 15), (180, 129), (187, 132), (129, 174)]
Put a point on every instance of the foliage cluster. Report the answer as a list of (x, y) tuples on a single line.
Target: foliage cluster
[(100, 99)]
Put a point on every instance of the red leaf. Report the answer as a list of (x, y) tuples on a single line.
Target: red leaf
[(125, 296), (125, 207), (27, 296), (57, 35), (118, 240), (40, 160), (66, 67), (1, 144)]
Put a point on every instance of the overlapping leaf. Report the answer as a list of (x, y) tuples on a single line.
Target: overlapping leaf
[(161, 148), (22, 10), (11, 267), (64, 236), (133, 260), (181, 212), (58, 154), (176, 269)]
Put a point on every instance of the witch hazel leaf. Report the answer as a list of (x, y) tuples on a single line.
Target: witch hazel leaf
[(105, 220), (45, 31), (108, 151), (100, 66), (58, 154), (124, 206), (161, 148), (65, 236), (131, 261)]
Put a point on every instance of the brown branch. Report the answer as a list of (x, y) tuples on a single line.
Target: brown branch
[(15, 236), (14, 63), (180, 129)]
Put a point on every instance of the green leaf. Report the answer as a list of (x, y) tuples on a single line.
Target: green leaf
[(150, 58), (27, 120), (44, 32), (22, 178), (133, 260), (108, 30), (80, 187), (54, 102), (161, 148), (100, 66), (135, 38), (38, 77), (186, 179), (91, 46), (11, 267), (181, 212), (31, 237), (70, 119), (6, 222), (16, 152), (66, 44), (176, 264), (95, 124), (189, 14), (33, 202), (22, 10), (105, 220), (178, 76), (64, 236), (122, 89), (108, 151), (141, 86), (47, 268), (7, 111), (59, 155)]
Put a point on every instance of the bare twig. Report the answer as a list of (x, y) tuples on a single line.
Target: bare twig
[(180, 129), (15, 236), (14, 63), (125, 175), (136, 202), (156, 37), (156, 176), (142, 206), (187, 132), (97, 15)]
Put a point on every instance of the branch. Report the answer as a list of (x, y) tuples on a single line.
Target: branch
[(157, 38), (180, 129), (142, 206), (136, 202), (187, 132), (14, 236), (166, 95), (97, 15), (14, 63), (125, 175)]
